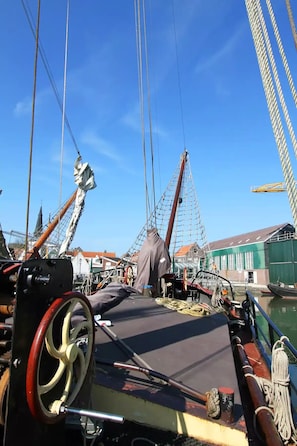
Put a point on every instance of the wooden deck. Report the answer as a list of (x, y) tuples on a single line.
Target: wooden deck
[(194, 351)]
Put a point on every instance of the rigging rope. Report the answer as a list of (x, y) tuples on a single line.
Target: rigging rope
[(149, 107), (64, 106), (32, 126), (291, 20), (178, 76), (49, 73), (256, 23), (188, 225), (184, 307), (141, 95), (282, 53), (85, 179), (277, 393), (153, 218), (275, 72)]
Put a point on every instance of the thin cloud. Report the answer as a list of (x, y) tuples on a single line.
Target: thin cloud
[(100, 145), (132, 119), (23, 108), (222, 53)]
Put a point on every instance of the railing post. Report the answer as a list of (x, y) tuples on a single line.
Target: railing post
[(271, 335)]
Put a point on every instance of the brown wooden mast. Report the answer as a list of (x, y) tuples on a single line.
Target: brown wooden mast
[(51, 227), (176, 198)]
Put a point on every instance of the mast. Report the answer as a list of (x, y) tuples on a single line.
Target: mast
[(176, 198), (51, 226)]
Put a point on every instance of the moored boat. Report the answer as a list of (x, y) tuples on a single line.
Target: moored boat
[(280, 290)]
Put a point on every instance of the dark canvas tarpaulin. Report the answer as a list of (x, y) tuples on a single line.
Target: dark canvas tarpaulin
[(4, 253), (153, 261), (105, 299)]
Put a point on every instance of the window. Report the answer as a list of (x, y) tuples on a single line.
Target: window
[(224, 262), (249, 260), (239, 261), (97, 261), (231, 263), (216, 262)]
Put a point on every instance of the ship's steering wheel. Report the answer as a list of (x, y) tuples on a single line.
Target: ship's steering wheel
[(60, 357), (129, 275)]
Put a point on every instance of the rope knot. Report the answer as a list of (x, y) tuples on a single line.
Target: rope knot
[(281, 381), (213, 403)]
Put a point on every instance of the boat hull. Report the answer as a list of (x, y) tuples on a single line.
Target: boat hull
[(282, 291)]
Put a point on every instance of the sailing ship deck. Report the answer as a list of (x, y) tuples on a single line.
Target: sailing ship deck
[(194, 351)]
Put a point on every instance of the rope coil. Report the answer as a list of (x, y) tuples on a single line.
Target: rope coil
[(213, 403), (277, 392), (192, 309)]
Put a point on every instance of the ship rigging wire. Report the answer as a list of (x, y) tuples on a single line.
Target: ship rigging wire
[(49, 72), (83, 174), (32, 127), (187, 227), (141, 45), (273, 91), (63, 110)]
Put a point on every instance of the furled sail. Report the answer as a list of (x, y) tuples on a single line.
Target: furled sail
[(153, 261), (85, 180)]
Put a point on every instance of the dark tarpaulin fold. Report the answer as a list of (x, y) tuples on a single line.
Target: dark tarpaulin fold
[(4, 252), (103, 300), (153, 261)]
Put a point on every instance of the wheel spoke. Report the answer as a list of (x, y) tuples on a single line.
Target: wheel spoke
[(49, 342), (79, 328), (82, 361), (67, 388), (57, 366), (67, 322), (82, 367), (45, 388)]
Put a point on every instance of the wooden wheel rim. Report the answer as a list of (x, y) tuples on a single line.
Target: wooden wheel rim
[(67, 353), (4, 382)]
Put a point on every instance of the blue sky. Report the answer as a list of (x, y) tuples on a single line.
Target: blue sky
[(206, 95)]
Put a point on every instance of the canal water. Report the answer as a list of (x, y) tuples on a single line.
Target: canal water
[(283, 312)]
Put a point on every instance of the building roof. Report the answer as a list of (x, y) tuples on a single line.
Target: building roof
[(93, 254), (112, 258), (260, 235), (183, 250)]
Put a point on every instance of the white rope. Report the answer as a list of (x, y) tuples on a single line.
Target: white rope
[(213, 408), (275, 72), (281, 51), (262, 46), (291, 20), (282, 404), (276, 392)]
